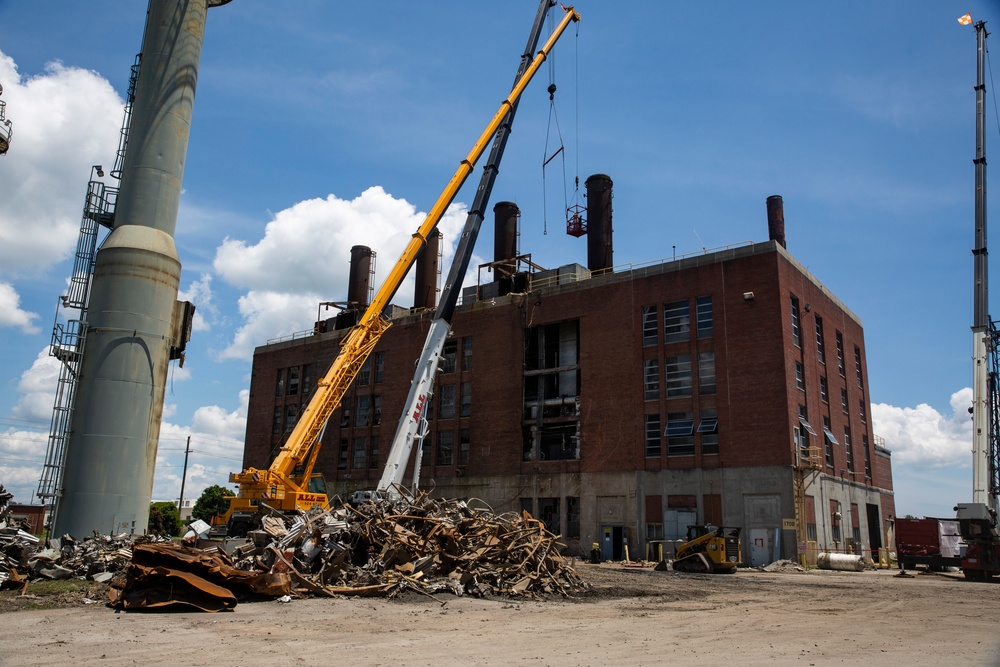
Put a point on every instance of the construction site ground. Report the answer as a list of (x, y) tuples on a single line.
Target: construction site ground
[(630, 616)]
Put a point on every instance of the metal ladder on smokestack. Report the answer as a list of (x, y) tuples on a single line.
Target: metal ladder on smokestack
[(68, 339)]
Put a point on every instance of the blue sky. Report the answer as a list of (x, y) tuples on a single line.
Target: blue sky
[(322, 125)]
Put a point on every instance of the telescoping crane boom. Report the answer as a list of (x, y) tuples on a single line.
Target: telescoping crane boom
[(413, 421), (285, 484)]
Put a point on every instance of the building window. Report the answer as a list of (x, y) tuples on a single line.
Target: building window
[(857, 365), (345, 414), (358, 460), (678, 369), (293, 381), (276, 424), (830, 441), (467, 353), (703, 311), (466, 399), (868, 456), (446, 448), (365, 373), (448, 354), (824, 392), (373, 453), (840, 353), (843, 400), (706, 373), (811, 532), (379, 366), (344, 453), (862, 411), (800, 376), (548, 512), (804, 430), (654, 531), (291, 416), (848, 449), (572, 518), (447, 401), (677, 321), (364, 411), (464, 444), (680, 434), (279, 385), (649, 325), (651, 379), (307, 379), (796, 333), (425, 450), (820, 347), (376, 410), (653, 446), (708, 430)]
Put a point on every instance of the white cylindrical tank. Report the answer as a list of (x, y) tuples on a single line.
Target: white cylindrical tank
[(834, 561)]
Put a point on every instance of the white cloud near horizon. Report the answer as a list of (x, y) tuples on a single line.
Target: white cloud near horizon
[(304, 259), (924, 437)]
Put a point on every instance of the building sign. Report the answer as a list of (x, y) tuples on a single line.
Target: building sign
[(788, 524)]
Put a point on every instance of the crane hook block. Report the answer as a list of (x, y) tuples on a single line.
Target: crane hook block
[(552, 91)]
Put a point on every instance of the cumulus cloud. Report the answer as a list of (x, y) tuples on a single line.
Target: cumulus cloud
[(304, 258), (922, 436), (199, 292), (11, 314), (65, 120), (38, 389)]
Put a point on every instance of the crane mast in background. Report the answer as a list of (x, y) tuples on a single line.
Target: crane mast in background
[(413, 420)]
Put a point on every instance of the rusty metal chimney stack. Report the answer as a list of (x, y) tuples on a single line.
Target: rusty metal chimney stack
[(425, 291), (776, 220), (600, 249), (505, 234), (359, 280)]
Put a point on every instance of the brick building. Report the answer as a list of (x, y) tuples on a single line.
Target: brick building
[(620, 406)]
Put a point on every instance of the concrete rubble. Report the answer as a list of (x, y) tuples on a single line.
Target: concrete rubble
[(380, 548)]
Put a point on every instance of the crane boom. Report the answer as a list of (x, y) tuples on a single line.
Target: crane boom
[(276, 483), (410, 428)]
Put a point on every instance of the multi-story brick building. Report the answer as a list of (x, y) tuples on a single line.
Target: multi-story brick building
[(619, 406)]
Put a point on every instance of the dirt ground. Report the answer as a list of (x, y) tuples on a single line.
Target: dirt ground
[(632, 616)]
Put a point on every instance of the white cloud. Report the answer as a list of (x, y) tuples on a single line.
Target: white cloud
[(922, 436), (304, 258), (11, 314), (200, 294), (38, 389), (64, 121)]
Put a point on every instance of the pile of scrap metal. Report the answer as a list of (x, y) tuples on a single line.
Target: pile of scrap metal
[(24, 558), (379, 548)]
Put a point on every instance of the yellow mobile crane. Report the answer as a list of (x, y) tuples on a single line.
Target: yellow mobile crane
[(289, 484)]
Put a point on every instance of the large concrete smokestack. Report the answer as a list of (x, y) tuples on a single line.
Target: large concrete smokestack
[(600, 251), (504, 234), (776, 219), (131, 323), (359, 280), (425, 290)]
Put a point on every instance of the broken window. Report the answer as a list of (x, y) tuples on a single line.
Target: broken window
[(425, 450), (345, 414), (379, 366), (344, 453), (293, 381), (279, 385), (551, 392), (365, 373), (291, 416), (364, 410), (464, 444), (466, 407), (276, 424), (572, 518), (445, 448), (307, 379), (373, 453), (376, 410), (548, 512), (448, 356), (676, 321)]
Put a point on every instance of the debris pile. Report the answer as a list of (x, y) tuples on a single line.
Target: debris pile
[(379, 548)]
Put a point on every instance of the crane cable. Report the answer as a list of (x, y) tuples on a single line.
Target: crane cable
[(561, 150)]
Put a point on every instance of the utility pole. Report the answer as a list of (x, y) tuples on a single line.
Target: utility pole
[(187, 450)]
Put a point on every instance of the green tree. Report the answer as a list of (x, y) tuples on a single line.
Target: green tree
[(212, 501), (164, 519)]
